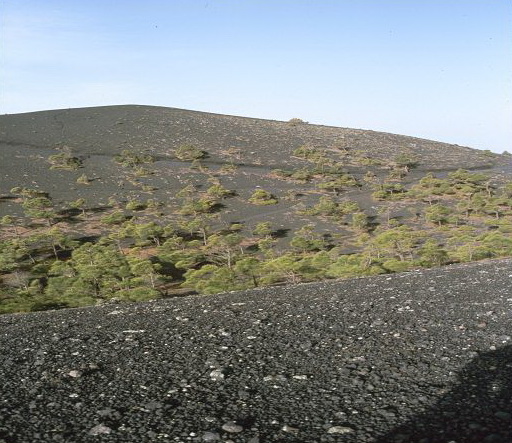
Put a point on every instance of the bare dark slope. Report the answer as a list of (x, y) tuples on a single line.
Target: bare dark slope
[(102, 129), (255, 147), (422, 356)]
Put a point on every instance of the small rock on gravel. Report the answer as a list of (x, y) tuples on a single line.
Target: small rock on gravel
[(290, 429), (211, 436), (503, 415), (100, 429), (340, 430), (232, 427)]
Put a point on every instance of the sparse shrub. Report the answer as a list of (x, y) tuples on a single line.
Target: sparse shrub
[(131, 158), (236, 227), (302, 175), (218, 191), (262, 197), (405, 162), (115, 218), (296, 121), (139, 171), (26, 193), (370, 177), (154, 204), (196, 165), (365, 160), (325, 206), (396, 174), (291, 195), (186, 192), (83, 180), (189, 153), (229, 168), (64, 160), (306, 152), (339, 183), (135, 205), (195, 206)]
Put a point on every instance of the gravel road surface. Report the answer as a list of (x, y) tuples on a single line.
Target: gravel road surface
[(424, 356)]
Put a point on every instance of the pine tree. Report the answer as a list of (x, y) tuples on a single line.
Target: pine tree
[(39, 208), (210, 279), (438, 214), (432, 254)]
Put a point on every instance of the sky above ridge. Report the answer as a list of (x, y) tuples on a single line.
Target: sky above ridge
[(437, 69)]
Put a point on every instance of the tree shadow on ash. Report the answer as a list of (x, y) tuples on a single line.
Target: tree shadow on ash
[(477, 410)]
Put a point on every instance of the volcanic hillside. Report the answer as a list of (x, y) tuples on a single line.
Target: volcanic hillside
[(104, 205), (256, 147), (192, 201)]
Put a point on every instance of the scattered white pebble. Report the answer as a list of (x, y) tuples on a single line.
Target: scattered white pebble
[(289, 429), (217, 375)]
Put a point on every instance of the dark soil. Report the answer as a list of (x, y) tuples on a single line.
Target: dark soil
[(424, 356)]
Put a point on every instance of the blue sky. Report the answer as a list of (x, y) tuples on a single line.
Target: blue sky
[(438, 69)]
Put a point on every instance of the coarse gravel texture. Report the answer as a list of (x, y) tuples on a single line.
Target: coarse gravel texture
[(423, 356)]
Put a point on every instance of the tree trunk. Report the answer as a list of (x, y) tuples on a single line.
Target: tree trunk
[(55, 253)]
